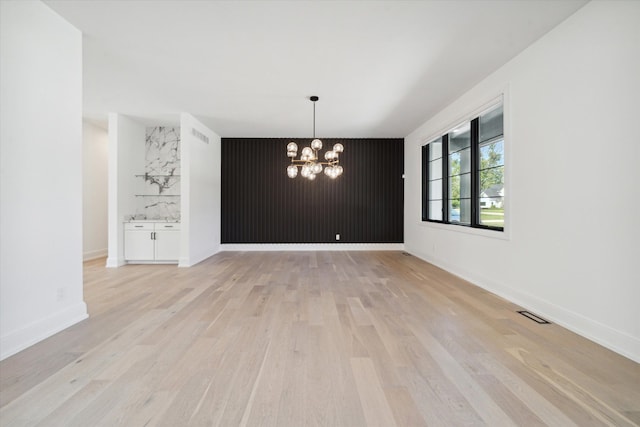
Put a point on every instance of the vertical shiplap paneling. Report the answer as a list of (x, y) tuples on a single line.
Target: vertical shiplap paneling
[(260, 204)]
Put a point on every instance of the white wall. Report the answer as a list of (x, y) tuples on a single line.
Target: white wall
[(95, 141), (126, 159), (573, 184), (41, 175), (200, 190)]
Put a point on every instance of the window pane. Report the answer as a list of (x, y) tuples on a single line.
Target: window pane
[(454, 164), (435, 210), (465, 211), (460, 138), (492, 212), (460, 162), (460, 211), (460, 186), (491, 173), (454, 187), (465, 186), (492, 182), (435, 189), (454, 210), (465, 161), (492, 154), (435, 169), (491, 124), (435, 149)]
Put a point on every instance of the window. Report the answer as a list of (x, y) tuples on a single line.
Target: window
[(432, 154), (459, 174), (463, 174), (491, 169)]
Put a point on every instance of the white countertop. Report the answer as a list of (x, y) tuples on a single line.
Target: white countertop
[(153, 220)]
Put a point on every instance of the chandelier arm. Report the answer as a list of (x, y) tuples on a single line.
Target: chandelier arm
[(298, 162)]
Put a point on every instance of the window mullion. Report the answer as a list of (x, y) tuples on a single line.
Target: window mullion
[(425, 182), (475, 166), (445, 178)]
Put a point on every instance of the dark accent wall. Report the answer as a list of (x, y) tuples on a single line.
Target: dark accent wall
[(261, 204)]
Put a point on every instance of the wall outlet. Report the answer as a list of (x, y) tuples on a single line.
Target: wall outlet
[(338, 236)]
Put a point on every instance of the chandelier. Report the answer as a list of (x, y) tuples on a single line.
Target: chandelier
[(308, 163)]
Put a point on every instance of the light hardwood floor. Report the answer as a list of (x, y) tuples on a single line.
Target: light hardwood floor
[(310, 339)]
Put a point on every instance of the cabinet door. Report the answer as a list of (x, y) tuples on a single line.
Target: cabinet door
[(138, 245), (167, 245)]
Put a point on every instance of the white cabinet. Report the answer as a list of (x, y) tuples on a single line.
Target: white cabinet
[(151, 242), (167, 242), (138, 242)]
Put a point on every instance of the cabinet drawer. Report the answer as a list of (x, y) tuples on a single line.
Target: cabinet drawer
[(138, 226), (167, 226)]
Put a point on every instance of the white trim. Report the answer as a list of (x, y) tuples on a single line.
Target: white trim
[(493, 234), (37, 331), (503, 97), (151, 262), (617, 341), (232, 247), (98, 253), (467, 117), (114, 262), (191, 261)]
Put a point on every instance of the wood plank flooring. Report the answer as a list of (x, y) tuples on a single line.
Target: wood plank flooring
[(310, 339)]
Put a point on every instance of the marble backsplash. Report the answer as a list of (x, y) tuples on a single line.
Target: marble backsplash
[(159, 197)]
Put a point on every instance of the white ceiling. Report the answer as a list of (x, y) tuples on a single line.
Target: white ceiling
[(247, 68)]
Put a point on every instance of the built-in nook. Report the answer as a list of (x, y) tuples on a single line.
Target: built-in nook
[(149, 189), (152, 232)]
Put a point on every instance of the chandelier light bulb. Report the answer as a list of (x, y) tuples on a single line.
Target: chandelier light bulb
[(292, 146), (292, 171), (317, 168), (338, 148), (307, 151), (311, 177), (316, 144)]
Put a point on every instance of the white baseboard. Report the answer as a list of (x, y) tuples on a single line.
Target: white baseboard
[(198, 258), (37, 331), (115, 262), (232, 247), (99, 253), (613, 339)]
